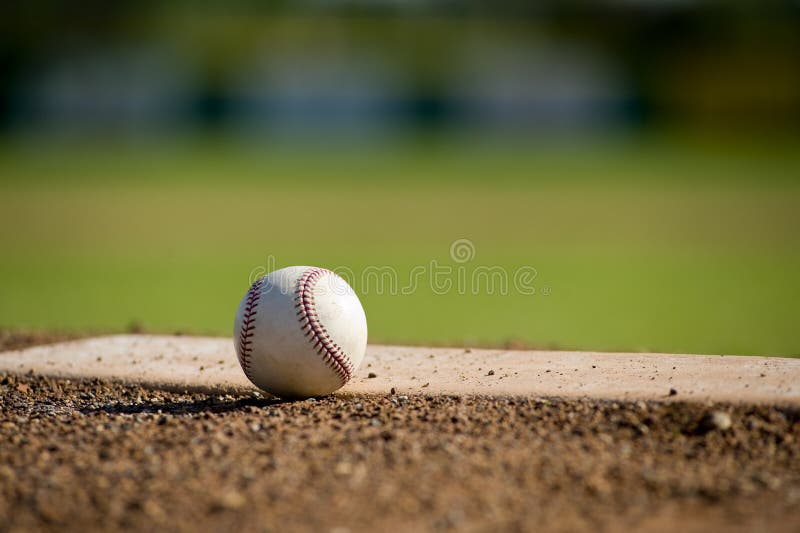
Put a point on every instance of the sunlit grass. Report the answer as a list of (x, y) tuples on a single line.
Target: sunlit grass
[(655, 248)]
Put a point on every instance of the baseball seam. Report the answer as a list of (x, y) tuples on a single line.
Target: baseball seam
[(332, 354), (248, 327)]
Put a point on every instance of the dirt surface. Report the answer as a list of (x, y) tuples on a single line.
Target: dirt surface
[(17, 339), (103, 455), (88, 455)]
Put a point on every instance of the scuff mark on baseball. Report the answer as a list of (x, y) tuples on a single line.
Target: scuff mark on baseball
[(300, 332)]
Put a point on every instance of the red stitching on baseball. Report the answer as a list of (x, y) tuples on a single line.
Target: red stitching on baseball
[(318, 336), (249, 325)]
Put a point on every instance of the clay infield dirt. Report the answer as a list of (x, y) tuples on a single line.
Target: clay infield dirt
[(87, 454)]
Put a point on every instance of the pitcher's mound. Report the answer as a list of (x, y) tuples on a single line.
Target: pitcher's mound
[(209, 364)]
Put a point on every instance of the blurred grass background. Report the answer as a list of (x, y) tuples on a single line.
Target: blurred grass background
[(666, 246), (643, 157)]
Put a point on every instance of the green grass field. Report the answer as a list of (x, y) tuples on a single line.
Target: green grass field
[(651, 247)]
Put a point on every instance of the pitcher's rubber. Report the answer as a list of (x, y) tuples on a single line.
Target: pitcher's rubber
[(210, 364)]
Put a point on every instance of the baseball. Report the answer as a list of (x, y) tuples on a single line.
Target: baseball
[(299, 332)]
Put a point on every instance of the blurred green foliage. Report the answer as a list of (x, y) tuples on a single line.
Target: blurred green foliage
[(698, 64)]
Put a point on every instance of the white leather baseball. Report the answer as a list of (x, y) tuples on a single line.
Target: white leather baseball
[(299, 332)]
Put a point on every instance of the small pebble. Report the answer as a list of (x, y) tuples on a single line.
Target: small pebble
[(714, 421), (231, 500)]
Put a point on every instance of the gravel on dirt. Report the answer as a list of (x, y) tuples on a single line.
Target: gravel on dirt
[(94, 454), (78, 455)]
